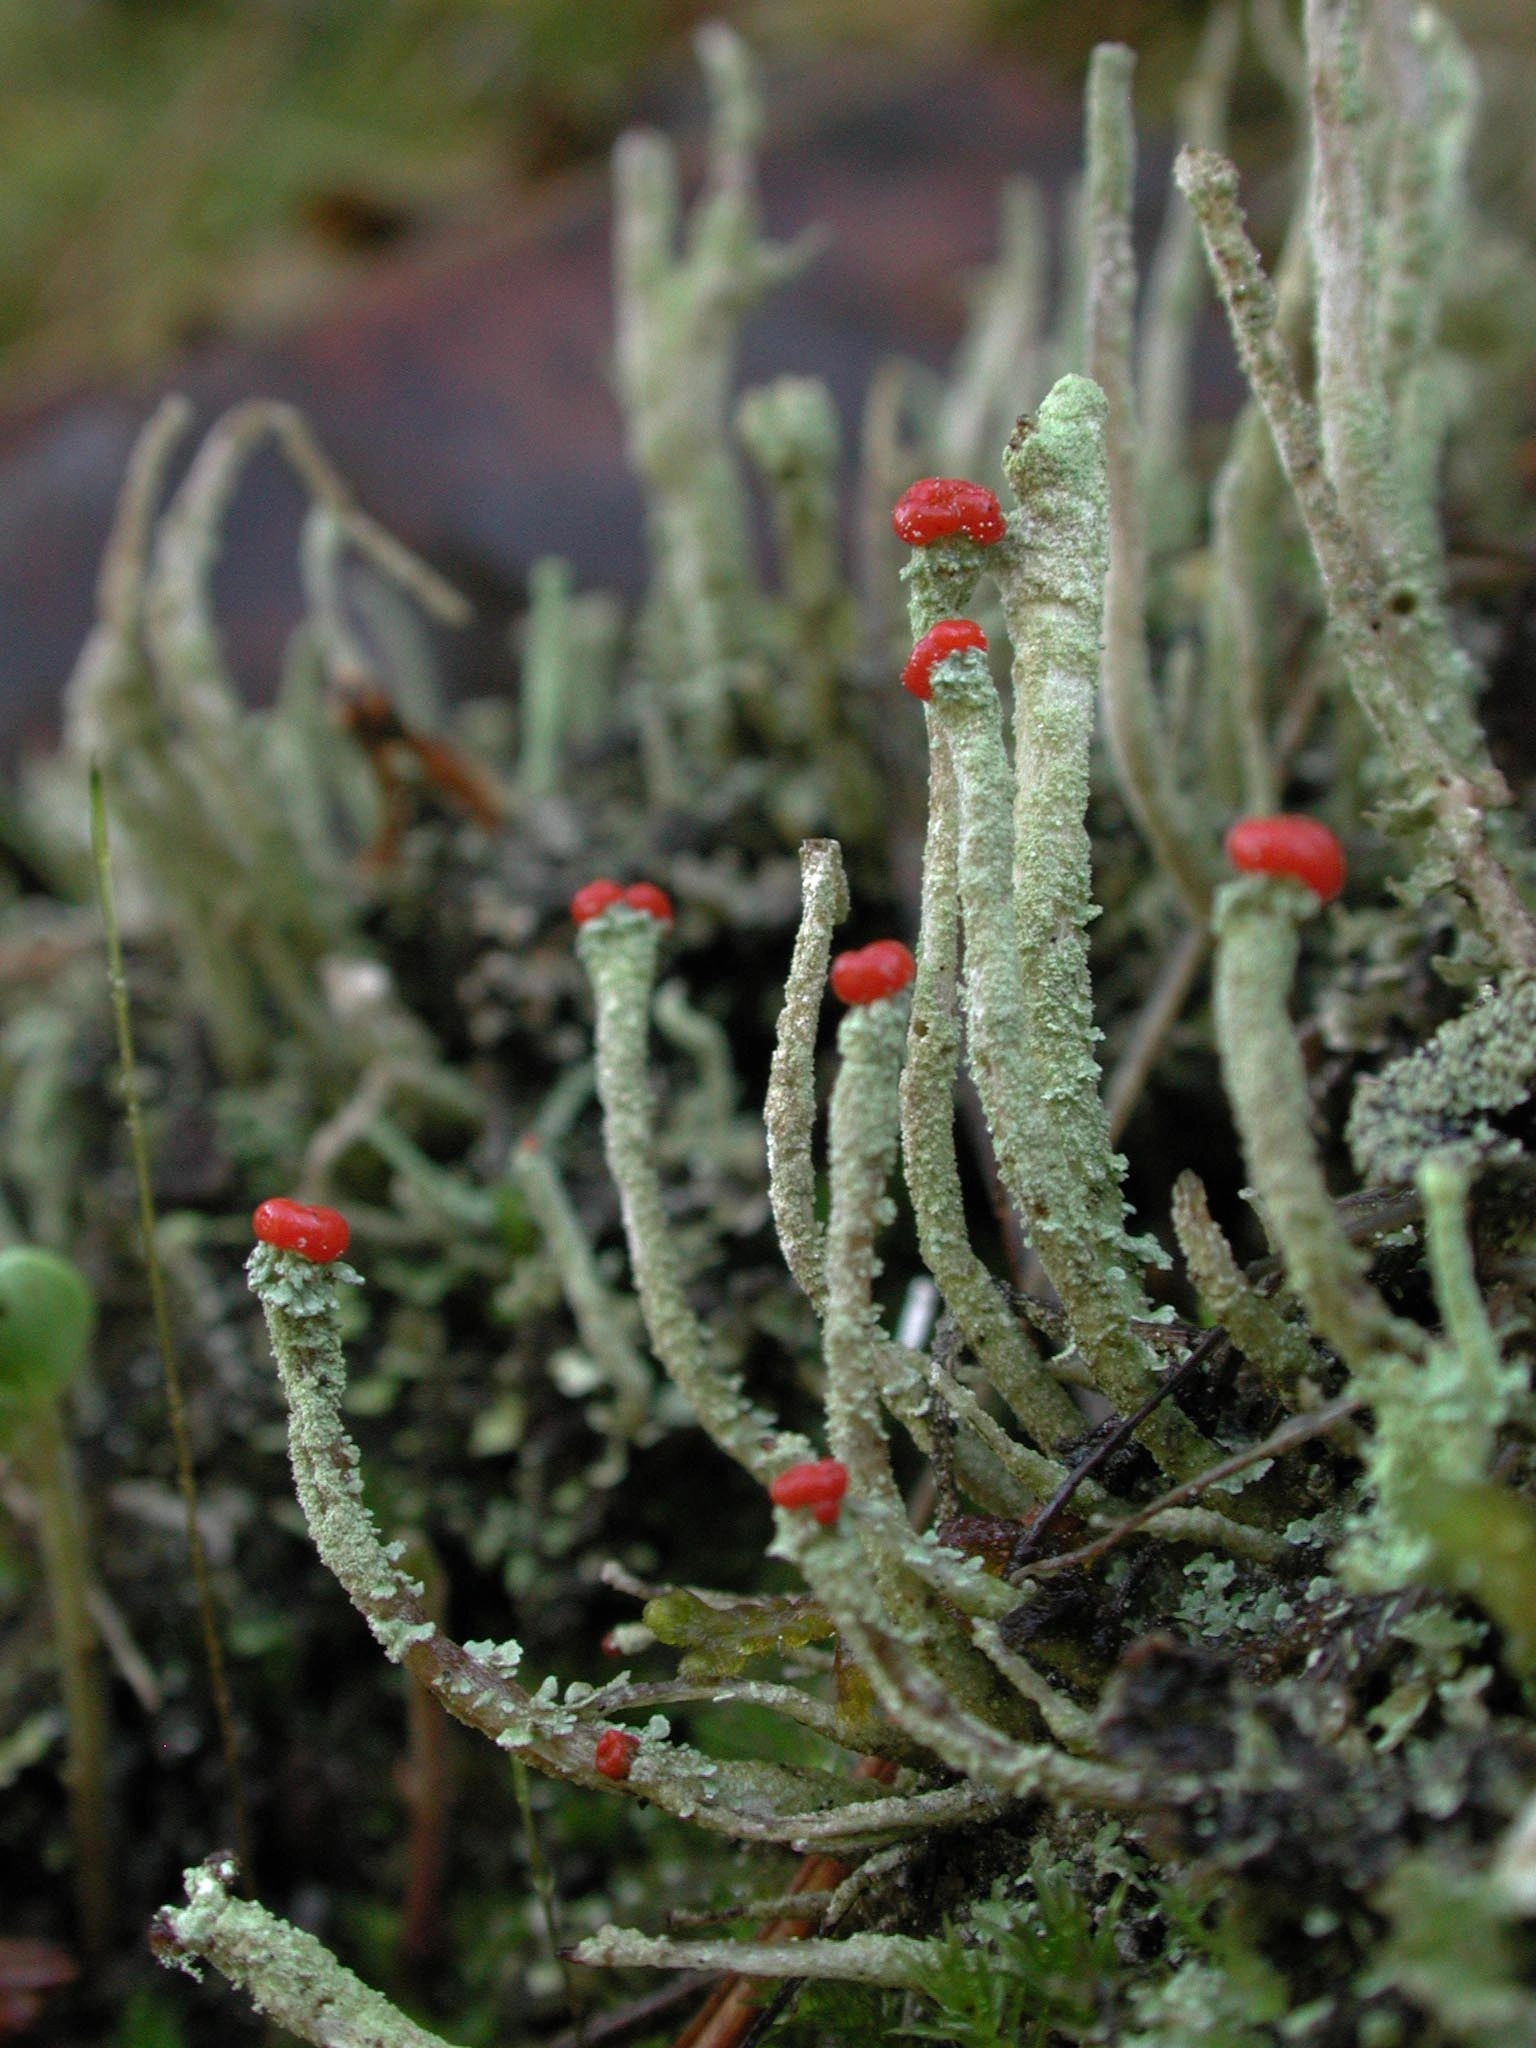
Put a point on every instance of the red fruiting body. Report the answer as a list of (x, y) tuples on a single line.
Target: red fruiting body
[(616, 1751), (316, 1234), (653, 901), (876, 970), (593, 898), (1287, 845), (939, 506), (936, 645), (596, 897), (819, 1486)]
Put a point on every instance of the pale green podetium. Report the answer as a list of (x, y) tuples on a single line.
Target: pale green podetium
[(790, 430), (1277, 1350), (1051, 573), (683, 290), (862, 1141), (598, 1321), (929, 1161), (1360, 606), (619, 950), (789, 1109), (1168, 817), (547, 679), (1257, 918), (476, 1682), (932, 1595), (940, 580), (1023, 874), (298, 1299), (289, 1976)]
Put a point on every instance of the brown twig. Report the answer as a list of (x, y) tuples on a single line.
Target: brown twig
[(724, 2018), (732, 2015), (1298, 1430), (638, 2017), (1029, 1543)]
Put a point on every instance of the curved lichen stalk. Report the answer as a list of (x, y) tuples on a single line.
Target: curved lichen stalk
[(287, 1972), (206, 817), (619, 950), (862, 1137), (940, 580), (789, 1108), (1257, 945), (910, 1590), (477, 1683), (1368, 625), (1003, 1475)]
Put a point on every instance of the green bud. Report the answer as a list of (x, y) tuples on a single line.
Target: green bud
[(46, 1315), (723, 1633)]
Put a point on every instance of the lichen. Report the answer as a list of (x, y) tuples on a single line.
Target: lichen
[(1171, 1656)]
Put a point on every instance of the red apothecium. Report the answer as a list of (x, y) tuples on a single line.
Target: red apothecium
[(819, 1486), (316, 1234), (653, 901), (616, 1751), (872, 971), (593, 898), (1286, 844), (947, 637), (937, 506)]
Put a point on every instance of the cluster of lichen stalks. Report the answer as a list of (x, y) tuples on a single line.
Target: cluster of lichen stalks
[(935, 1626)]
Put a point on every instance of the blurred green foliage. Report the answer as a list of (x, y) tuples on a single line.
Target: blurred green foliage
[(169, 166), (172, 167)]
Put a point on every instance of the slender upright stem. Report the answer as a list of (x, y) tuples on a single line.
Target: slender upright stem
[(929, 1161), (1083, 1250), (862, 1138), (175, 1400), (789, 1109), (49, 1464), (619, 950)]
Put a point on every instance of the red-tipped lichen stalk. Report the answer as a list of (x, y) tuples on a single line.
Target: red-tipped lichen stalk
[(943, 638), (1294, 866), (951, 525)]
